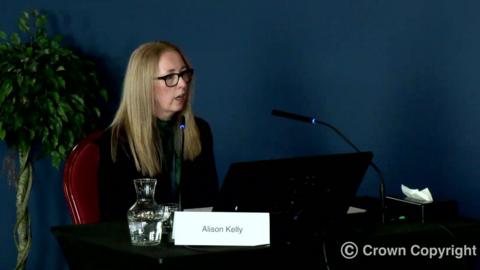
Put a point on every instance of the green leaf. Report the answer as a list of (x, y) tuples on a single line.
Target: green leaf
[(78, 100), (45, 134), (17, 123), (97, 112), (33, 67), (56, 159), (104, 94), (2, 132), (61, 82), (66, 107), (23, 23), (70, 138), (3, 35), (58, 127), (58, 38), (20, 80), (5, 90), (40, 21), (32, 134), (50, 107), (62, 114), (56, 97), (15, 38), (54, 44), (61, 150), (22, 145)]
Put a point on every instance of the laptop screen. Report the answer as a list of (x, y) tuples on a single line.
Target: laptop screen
[(302, 194)]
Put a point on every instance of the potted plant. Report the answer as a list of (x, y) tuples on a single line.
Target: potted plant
[(49, 98)]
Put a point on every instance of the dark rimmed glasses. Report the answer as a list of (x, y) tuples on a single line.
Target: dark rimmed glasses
[(172, 79)]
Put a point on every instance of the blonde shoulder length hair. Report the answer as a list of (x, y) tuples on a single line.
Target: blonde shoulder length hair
[(135, 120)]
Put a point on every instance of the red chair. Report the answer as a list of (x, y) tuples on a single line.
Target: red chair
[(80, 181)]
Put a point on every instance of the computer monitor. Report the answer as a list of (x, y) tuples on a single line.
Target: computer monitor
[(304, 195)]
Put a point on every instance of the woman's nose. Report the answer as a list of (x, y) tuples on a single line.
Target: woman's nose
[(181, 82)]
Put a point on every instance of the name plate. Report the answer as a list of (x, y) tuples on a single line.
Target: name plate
[(221, 228)]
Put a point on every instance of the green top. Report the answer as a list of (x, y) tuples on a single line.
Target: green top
[(171, 162)]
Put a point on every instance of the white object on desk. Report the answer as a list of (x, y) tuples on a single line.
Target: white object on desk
[(355, 210), (200, 209), (423, 195), (221, 228)]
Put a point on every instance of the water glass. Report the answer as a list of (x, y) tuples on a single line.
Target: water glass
[(169, 210)]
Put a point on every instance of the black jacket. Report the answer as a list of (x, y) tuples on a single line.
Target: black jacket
[(199, 183)]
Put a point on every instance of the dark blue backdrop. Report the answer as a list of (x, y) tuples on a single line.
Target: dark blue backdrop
[(400, 78)]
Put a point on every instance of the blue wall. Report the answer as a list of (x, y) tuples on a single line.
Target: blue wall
[(399, 78)]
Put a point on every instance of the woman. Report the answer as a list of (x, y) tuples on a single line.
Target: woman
[(154, 134)]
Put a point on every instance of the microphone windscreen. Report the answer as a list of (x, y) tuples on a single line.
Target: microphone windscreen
[(182, 122)]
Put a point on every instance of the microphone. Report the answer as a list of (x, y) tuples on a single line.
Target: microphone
[(294, 116), (181, 125), (314, 121)]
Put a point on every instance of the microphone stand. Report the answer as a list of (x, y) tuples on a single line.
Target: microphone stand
[(314, 121), (182, 130)]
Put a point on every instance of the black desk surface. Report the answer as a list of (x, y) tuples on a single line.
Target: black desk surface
[(107, 246)]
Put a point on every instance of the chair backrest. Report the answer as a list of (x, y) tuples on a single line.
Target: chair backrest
[(80, 178)]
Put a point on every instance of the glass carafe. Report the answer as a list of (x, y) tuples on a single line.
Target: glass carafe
[(145, 215)]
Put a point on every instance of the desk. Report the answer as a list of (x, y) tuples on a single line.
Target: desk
[(107, 246)]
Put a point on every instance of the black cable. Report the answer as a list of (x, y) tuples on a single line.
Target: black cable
[(325, 257), (449, 232)]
